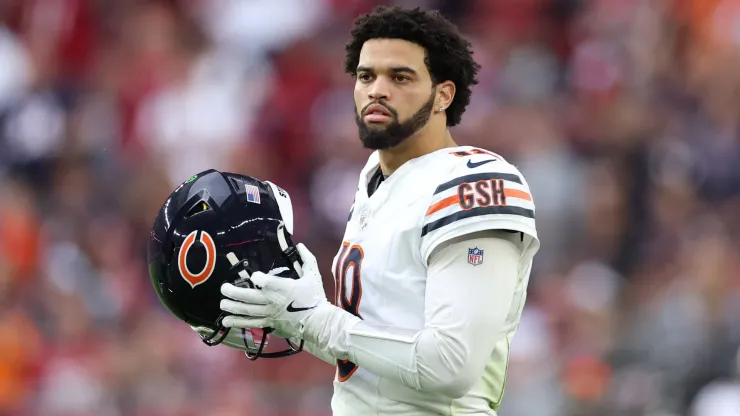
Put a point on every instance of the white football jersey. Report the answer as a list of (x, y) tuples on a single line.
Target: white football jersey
[(380, 270)]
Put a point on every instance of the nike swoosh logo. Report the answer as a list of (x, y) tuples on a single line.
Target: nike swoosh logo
[(290, 308), (472, 165)]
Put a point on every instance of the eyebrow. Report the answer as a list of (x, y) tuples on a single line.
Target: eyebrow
[(394, 69)]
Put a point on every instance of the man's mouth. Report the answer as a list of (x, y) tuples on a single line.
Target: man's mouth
[(376, 113)]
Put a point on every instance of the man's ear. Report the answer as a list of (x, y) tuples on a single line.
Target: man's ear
[(445, 95)]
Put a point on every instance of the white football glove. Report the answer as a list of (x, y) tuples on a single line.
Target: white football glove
[(280, 303)]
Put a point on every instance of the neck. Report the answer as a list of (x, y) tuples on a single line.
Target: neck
[(419, 144)]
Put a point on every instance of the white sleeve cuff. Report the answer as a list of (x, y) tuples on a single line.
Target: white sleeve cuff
[(318, 352)]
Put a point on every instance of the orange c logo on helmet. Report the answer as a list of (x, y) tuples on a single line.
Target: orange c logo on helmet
[(194, 279)]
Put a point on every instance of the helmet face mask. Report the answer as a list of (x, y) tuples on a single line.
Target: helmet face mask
[(206, 220)]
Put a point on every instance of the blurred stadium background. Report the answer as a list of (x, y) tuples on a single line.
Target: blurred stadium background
[(624, 115)]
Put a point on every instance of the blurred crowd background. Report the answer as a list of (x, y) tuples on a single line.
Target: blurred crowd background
[(624, 116)]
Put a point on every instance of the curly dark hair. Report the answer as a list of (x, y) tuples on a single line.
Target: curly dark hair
[(449, 56)]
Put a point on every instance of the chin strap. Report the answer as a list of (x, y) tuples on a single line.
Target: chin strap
[(290, 251)]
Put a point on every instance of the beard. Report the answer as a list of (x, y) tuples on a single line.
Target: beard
[(396, 132)]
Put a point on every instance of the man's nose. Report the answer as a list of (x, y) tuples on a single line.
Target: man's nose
[(379, 90)]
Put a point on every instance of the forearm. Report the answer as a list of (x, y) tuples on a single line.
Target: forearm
[(321, 353), (426, 360), (466, 311)]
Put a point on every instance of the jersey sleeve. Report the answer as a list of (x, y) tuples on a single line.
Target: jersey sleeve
[(463, 323), (470, 200)]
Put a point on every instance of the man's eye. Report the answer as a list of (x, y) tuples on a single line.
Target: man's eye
[(364, 77)]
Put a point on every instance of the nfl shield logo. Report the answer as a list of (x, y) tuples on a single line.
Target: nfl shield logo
[(475, 256)]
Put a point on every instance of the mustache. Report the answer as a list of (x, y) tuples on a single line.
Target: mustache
[(382, 104)]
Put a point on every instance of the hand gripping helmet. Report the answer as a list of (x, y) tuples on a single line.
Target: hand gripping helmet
[(211, 230)]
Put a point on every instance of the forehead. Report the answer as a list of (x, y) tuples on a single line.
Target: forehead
[(383, 54)]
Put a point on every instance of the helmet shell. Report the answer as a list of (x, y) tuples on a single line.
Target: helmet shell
[(205, 218)]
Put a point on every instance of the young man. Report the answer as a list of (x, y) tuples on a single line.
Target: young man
[(433, 271)]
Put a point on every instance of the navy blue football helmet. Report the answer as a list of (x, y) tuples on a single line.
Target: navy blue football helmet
[(211, 230)]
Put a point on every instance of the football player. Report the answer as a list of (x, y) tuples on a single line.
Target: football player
[(432, 274)]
